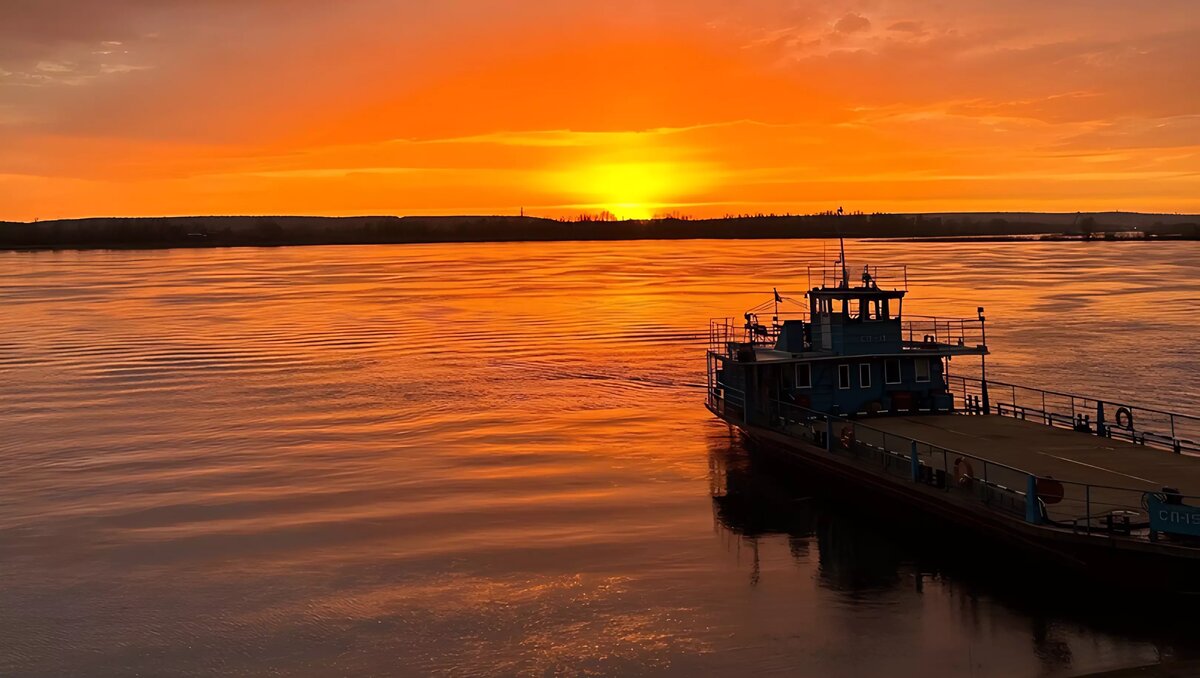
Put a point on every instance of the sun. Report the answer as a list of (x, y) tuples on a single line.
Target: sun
[(628, 190), (630, 210)]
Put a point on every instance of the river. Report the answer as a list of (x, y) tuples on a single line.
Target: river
[(494, 459)]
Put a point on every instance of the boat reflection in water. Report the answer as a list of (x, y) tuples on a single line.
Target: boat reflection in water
[(862, 562)]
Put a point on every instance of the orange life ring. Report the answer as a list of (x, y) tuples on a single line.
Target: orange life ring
[(1050, 491), (964, 474), (847, 436)]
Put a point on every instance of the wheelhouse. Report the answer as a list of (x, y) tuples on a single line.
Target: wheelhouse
[(845, 349)]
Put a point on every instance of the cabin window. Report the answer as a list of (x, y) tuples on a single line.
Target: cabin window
[(803, 375), (843, 376), (873, 310), (891, 371), (864, 375), (922, 368)]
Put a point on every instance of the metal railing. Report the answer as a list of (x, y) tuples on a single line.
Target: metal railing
[(1081, 507), (885, 277), (1174, 431), (725, 331), (728, 400), (925, 330), (917, 332), (997, 486)]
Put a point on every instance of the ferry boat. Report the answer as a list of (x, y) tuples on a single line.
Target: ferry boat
[(848, 387)]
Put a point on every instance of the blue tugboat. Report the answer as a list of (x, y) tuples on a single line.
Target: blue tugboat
[(846, 386)]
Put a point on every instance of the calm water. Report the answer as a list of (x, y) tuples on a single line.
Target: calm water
[(494, 459)]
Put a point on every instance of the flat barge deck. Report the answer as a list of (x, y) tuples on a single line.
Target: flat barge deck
[(1116, 471), (1054, 452)]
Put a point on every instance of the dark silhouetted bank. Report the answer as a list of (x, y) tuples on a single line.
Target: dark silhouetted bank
[(231, 231)]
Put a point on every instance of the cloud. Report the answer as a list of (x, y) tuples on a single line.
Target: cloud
[(912, 27), (1175, 132), (852, 23)]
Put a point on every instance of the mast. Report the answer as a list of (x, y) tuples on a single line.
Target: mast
[(842, 249), (987, 406), (842, 260)]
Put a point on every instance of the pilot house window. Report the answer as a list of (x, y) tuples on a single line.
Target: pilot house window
[(864, 375), (843, 376), (803, 375), (891, 371), (922, 367)]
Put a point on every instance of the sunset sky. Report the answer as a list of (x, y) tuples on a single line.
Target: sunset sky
[(703, 107)]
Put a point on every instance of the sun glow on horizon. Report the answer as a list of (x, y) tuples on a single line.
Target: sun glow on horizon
[(633, 190)]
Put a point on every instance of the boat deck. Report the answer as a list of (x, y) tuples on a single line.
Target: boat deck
[(1068, 456)]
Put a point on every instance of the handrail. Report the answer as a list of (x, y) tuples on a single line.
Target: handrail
[(1175, 431), (999, 486), (1126, 500), (951, 319), (858, 424), (993, 382), (914, 333), (1082, 507), (830, 275)]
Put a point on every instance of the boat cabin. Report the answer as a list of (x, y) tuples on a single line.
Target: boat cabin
[(849, 351)]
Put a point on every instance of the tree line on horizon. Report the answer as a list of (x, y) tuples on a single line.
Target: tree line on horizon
[(147, 232)]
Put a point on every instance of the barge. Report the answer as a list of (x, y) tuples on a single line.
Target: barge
[(848, 387)]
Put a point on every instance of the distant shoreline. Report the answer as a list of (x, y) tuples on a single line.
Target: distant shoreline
[(256, 231)]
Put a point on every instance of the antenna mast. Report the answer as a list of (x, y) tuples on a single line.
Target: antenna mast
[(842, 248)]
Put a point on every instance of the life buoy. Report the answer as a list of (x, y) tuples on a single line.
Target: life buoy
[(847, 436), (964, 474), (1125, 418), (1050, 491)]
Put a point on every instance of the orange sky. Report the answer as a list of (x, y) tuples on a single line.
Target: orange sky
[(705, 107)]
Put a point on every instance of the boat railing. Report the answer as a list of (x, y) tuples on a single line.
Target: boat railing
[(1081, 507), (1162, 429), (725, 400), (997, 486), (1098, 508), (916, 331), (925, 330), (720, 334), (889, 277), (725, 331)]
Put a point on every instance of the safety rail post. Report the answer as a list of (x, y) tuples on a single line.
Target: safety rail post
[(828, 434), (916, 461), (1087, 507), (1032, 514), (1101, 429)]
